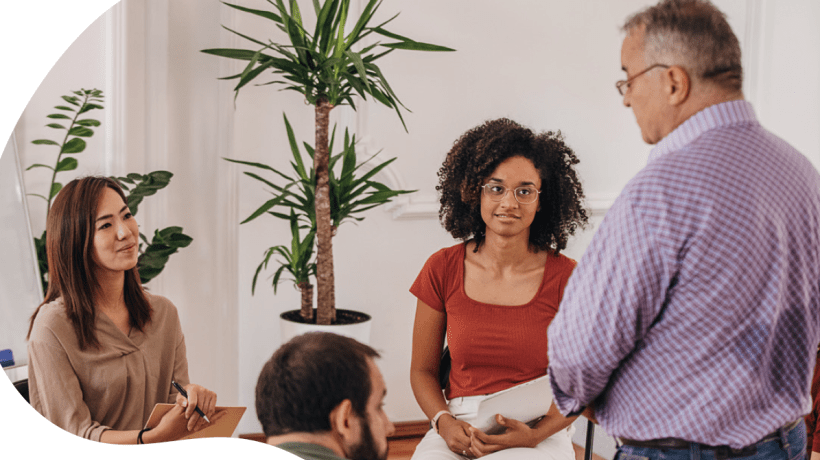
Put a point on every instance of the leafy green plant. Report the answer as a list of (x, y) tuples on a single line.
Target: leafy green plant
[(297, 261), (155, 254), (165, 242), (349, 196), (328, 67)]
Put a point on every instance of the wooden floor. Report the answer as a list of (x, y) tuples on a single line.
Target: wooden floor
[(407, 436)]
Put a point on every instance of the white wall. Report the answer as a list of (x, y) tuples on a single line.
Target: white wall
[(550, 65)]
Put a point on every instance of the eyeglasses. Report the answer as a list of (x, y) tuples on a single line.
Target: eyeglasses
[(623, 85), (526, 194)]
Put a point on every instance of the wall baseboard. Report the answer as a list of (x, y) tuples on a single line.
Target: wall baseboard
[(416, 429)]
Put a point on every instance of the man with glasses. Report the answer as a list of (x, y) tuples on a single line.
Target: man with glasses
[(690, 325)]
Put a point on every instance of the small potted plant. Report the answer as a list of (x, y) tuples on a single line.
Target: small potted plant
[(328, 67)]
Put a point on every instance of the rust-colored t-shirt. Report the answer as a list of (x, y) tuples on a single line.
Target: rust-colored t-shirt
[(812, 427), (492, 347)]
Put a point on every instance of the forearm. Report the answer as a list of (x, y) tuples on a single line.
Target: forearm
[(552, 423), (427, 391), (815, 456), (121, 437)]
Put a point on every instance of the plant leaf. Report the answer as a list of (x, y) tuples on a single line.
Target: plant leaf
[(87, 122), (55, 189), (38, 165), (58, 116), (416, 46), (71, 100), (67, 164), (75, 145), (81, 131), (88, 107), (45, 142), (262, 13)]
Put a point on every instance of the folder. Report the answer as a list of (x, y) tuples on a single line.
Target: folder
[(223, 427), (527, 402)]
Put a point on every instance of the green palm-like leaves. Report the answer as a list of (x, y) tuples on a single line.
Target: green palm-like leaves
[(324, 63), (297, 260), (350, 195)]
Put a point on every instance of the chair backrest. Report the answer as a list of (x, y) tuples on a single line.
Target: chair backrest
[(444, 368), (22, 387)]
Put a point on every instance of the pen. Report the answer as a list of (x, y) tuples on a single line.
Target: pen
[(185, 394)]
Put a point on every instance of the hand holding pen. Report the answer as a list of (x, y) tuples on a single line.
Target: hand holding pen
[(208, 405)]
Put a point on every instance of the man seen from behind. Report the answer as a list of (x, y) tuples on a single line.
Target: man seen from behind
[(321, 397), (689, 327)]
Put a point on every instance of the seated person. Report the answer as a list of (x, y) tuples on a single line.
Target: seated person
[(102, 351), (321, 397), (513, 198)]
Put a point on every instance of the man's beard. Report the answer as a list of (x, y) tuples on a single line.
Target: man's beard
[(365, 449)]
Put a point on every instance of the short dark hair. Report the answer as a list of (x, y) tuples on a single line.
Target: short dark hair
[(309, 376), (477, 153), (696, 34)]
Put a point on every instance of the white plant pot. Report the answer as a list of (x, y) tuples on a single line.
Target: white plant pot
[(359, 331)]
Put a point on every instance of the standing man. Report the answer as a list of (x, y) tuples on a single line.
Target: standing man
[(321, 397), (691, 323)]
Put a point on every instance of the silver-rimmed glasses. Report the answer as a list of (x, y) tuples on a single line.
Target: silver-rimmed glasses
[(623, 85), (526, 194)]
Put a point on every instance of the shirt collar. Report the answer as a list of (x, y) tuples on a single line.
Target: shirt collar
[(715, 116)]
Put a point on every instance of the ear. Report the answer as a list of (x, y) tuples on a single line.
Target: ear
[(678, 85), (344, 423)]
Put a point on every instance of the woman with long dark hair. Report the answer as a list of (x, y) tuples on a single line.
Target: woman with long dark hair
[(513, 197), (102, 351)]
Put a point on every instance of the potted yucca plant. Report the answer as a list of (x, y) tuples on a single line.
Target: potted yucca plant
[(329, 68)]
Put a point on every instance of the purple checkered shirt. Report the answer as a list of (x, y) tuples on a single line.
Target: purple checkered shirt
[(695, 311)]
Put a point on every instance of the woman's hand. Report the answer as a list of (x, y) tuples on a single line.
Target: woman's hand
[(456, 434), (172, 426), (197, 396), (518, 434)]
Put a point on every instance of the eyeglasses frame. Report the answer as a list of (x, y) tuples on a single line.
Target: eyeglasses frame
[(624, 83), (507, 189)]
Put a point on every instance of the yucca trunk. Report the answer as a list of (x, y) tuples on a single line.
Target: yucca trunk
[(307, 300), (325, 292)]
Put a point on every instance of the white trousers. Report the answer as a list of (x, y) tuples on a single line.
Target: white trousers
[(433, 446)]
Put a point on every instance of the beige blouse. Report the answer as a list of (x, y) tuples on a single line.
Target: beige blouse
[(112, 387)]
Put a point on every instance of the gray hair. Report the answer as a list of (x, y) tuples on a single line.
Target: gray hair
[(693, 34)]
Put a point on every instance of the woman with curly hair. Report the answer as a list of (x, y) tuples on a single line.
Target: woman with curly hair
[(513, 198)]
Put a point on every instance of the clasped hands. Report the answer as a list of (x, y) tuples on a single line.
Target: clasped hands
[(468, 441)]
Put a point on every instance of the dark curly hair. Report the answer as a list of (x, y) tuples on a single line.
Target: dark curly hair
[(477, 153)]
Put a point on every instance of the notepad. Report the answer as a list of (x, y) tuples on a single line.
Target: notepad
[(526, 402), (223, 427)]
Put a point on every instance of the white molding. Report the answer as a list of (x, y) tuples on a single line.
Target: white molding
[(229, 198), (156, 84), (115, 88), (753, 41)]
